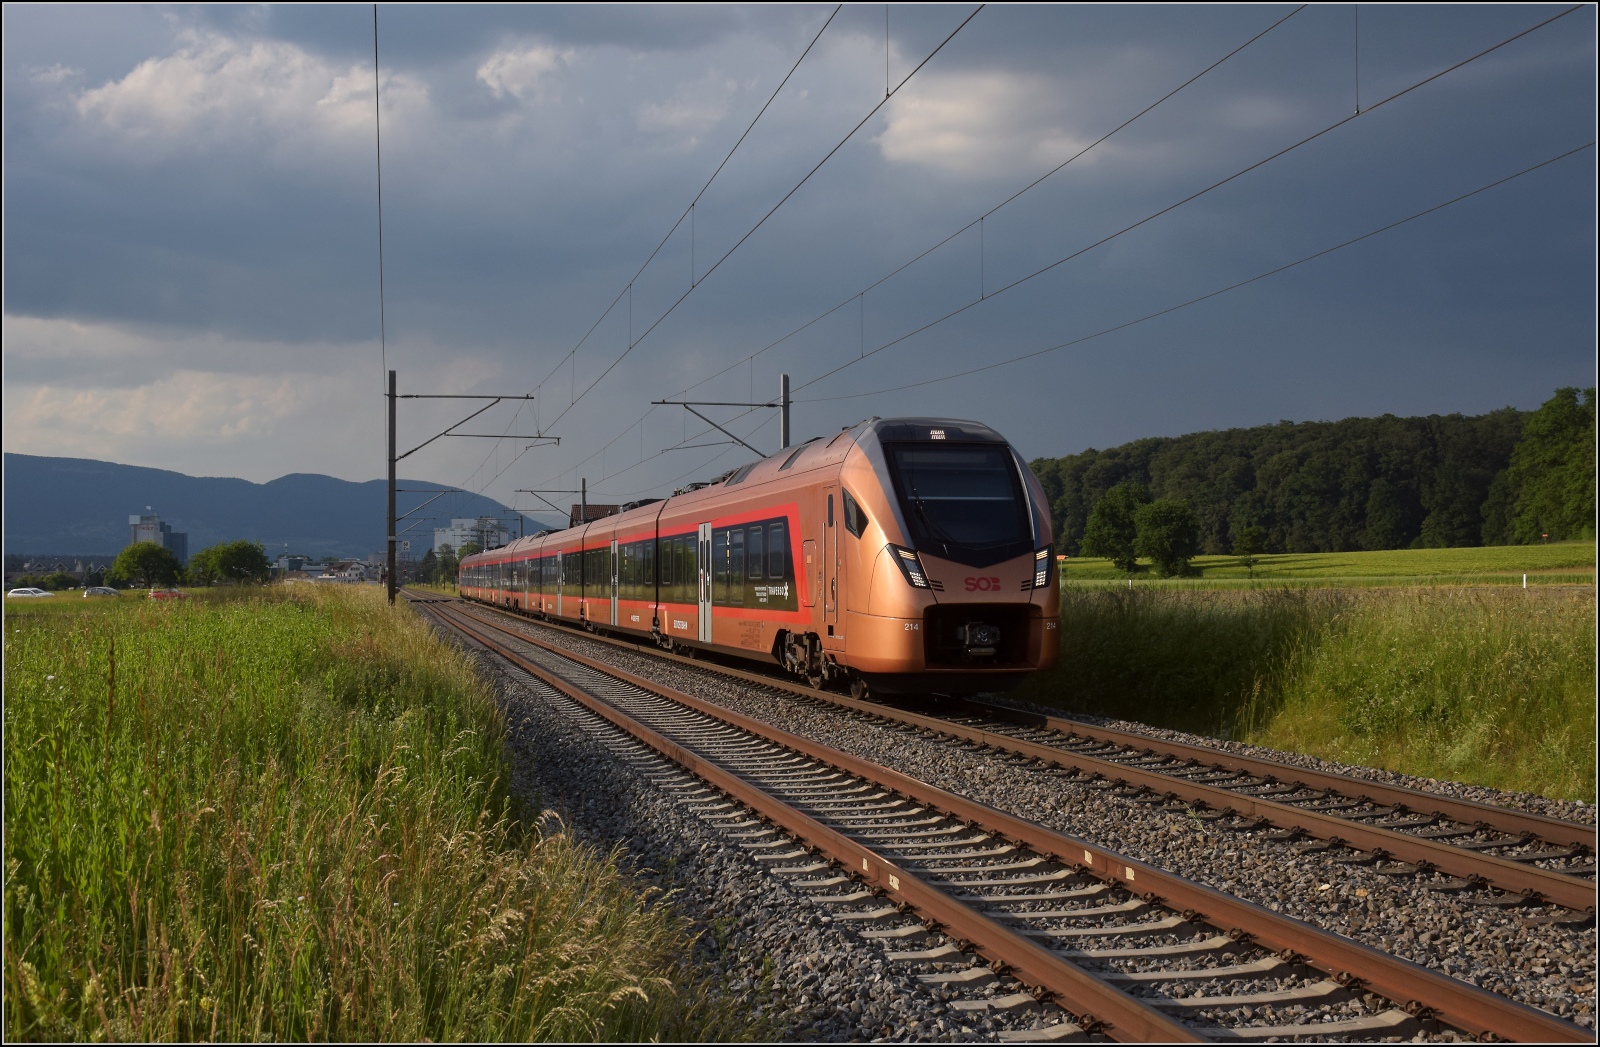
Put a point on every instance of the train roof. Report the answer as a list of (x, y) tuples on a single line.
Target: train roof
[(815, 452)]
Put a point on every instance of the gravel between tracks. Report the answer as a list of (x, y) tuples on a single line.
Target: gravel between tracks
[(1567, 810), (1551, 967), (772, 949)]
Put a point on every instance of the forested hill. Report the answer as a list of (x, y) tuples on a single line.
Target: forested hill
[(1362, 483)]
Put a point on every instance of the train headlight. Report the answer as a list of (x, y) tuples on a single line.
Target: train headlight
[(1041, 567), (910, 566)]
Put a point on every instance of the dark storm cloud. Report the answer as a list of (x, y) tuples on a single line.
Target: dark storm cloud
[(190, 194)]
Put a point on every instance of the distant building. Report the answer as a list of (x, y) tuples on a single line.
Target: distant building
[(486, 531), (349, 571), (582, 514), (149, 528)]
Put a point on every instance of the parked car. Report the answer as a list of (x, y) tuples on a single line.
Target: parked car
[(99, 590), (167, 594), (29, 592)]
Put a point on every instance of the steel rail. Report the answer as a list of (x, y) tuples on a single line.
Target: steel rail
[(1096, 1002), (1419, 990), (1470, 812), (1536, 884)]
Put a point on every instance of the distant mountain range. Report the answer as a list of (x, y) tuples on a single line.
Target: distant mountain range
[(79, 506)]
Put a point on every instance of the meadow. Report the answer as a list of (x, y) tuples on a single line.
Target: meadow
[(1491, 685), (281, 814), (1559, 563)]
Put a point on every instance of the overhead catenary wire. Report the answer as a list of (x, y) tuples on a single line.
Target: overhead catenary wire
[(1219, 291), (633, 343), (1258, 164), (627, 290), (1197, 194), (688, 212), (990, 212), (860, 296)]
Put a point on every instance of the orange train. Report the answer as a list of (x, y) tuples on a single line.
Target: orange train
[(908, 555)]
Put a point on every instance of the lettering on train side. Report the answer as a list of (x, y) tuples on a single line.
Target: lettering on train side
[(982, 585)]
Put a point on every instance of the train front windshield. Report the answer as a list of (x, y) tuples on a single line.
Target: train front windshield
[(963, 502)]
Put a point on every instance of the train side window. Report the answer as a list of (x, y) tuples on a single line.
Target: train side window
[(753, 554), (719, 564), (736, 566), (855, 521), (648, 549), (777, 552)]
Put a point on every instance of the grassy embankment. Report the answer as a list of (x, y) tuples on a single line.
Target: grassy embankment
[(282, 815), (1429, 661), (1560, 563), (1487, 685)]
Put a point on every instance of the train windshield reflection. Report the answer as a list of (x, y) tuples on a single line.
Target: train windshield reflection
[(963, 502)]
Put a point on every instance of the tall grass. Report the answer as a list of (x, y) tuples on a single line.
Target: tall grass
[(1488, 686), (1483, 686), (282, 815)]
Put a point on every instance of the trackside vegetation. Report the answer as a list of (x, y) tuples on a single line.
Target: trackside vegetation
[(280, 814), (1488, 685)]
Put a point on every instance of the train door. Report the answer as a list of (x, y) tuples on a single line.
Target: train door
[(831, 582), (561, 578), (613, 581), (705, 582)]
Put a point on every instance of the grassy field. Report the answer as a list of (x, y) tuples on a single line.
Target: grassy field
[(280, 815), (1562, 563), (1488, 685)]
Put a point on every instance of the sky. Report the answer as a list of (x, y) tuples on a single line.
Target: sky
[(191, 231)]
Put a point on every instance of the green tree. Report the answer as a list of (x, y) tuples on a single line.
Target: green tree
[(469, 549), (449, 564), (1388, 522), (428, 568), (1111, 531), (233, 563), (1249, 542), (1167, 534), (1549, 487), (146, 564)]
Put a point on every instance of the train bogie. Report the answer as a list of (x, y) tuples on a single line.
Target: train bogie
[(908, 555)]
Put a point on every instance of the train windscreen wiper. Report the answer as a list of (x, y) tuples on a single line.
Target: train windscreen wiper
[(939, 533)]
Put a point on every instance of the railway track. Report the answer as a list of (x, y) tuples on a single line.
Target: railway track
[(1486, 855), (1127, 949)]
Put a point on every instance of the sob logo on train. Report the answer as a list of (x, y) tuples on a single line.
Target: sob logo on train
[(982, 585)]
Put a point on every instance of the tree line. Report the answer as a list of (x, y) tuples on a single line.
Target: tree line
[(149, 564), (443, 564), (1503, 478)]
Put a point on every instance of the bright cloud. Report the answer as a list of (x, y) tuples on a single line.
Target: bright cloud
[(527, 74), (222, 87), (980, 123)]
